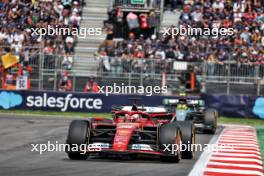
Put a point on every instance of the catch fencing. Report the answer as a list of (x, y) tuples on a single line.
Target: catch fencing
[(231, 77), (227, 77)]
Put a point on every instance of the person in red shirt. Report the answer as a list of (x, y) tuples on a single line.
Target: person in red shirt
[(91, 86)]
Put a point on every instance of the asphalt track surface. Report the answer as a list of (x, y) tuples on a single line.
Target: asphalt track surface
[(16, 158)]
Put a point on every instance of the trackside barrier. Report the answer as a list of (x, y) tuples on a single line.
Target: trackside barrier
[(71, 102), (227, 105), (236, 105)]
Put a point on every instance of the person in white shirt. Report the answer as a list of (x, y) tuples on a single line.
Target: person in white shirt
[(10, 37), (19, 36), (3, 34), (218, 4), (160, 54), (197, 15), (16, 46), (75, 18), (58, 7), (239, 5)]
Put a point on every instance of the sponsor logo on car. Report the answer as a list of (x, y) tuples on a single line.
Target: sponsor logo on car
[(141, 147), (126, 125)]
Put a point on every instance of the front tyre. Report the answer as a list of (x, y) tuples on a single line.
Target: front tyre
[(188, 139), (78, 134), (170, 135)]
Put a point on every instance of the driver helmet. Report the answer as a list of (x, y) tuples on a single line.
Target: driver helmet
[(182, 105)]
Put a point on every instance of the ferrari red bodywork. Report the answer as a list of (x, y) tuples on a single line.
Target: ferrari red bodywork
[(123, 134)]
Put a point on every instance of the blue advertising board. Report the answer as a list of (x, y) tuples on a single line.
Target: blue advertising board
[(236, 105), (227, 105), (71, 102)]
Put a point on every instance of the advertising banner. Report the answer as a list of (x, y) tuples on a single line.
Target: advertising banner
[(236, 105), (227, 105), (71, 102)]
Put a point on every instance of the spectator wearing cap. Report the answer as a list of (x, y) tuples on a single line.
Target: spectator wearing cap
[(69, 46), (76, 7), (66, 3)]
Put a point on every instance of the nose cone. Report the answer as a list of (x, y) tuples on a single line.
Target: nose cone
[(123, 135)]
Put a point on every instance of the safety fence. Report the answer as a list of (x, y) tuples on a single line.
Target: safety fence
[(116, 65), (231, 77), (227, 77)]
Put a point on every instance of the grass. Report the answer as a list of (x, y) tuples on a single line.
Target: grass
[(260, 133), (241, 121), (221, 120), (60, 114)]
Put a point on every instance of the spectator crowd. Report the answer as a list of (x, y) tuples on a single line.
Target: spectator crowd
[(246, 45), (19, 17)]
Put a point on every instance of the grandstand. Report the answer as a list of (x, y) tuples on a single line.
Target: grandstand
[(138, 53)]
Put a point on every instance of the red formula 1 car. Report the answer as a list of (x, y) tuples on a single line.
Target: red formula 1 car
[(133, 130)]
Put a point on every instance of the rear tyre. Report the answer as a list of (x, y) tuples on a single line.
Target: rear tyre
[(169, 135), (188, 139), (210, 121), (78, 135)]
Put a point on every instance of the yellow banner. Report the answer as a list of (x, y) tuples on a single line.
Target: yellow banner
[(9, 60)]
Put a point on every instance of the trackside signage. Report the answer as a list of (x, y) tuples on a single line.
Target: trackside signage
[(50, 101), (232, 105), (64, 103), (70, 102)]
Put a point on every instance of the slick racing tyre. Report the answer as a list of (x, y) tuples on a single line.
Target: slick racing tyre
[(188, 139), (210, 121), (170, 135), (78, 134)]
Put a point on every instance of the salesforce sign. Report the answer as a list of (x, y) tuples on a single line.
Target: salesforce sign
[(51, 101), (70, 102), (63, 103)]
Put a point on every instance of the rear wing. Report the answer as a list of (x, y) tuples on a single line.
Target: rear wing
[(190, 102)]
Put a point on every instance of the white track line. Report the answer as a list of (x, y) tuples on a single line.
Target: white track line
[(236, 159), (237, 144), (200, 165), (230, 171), (237, 155), (237, 165), (237, 151)]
